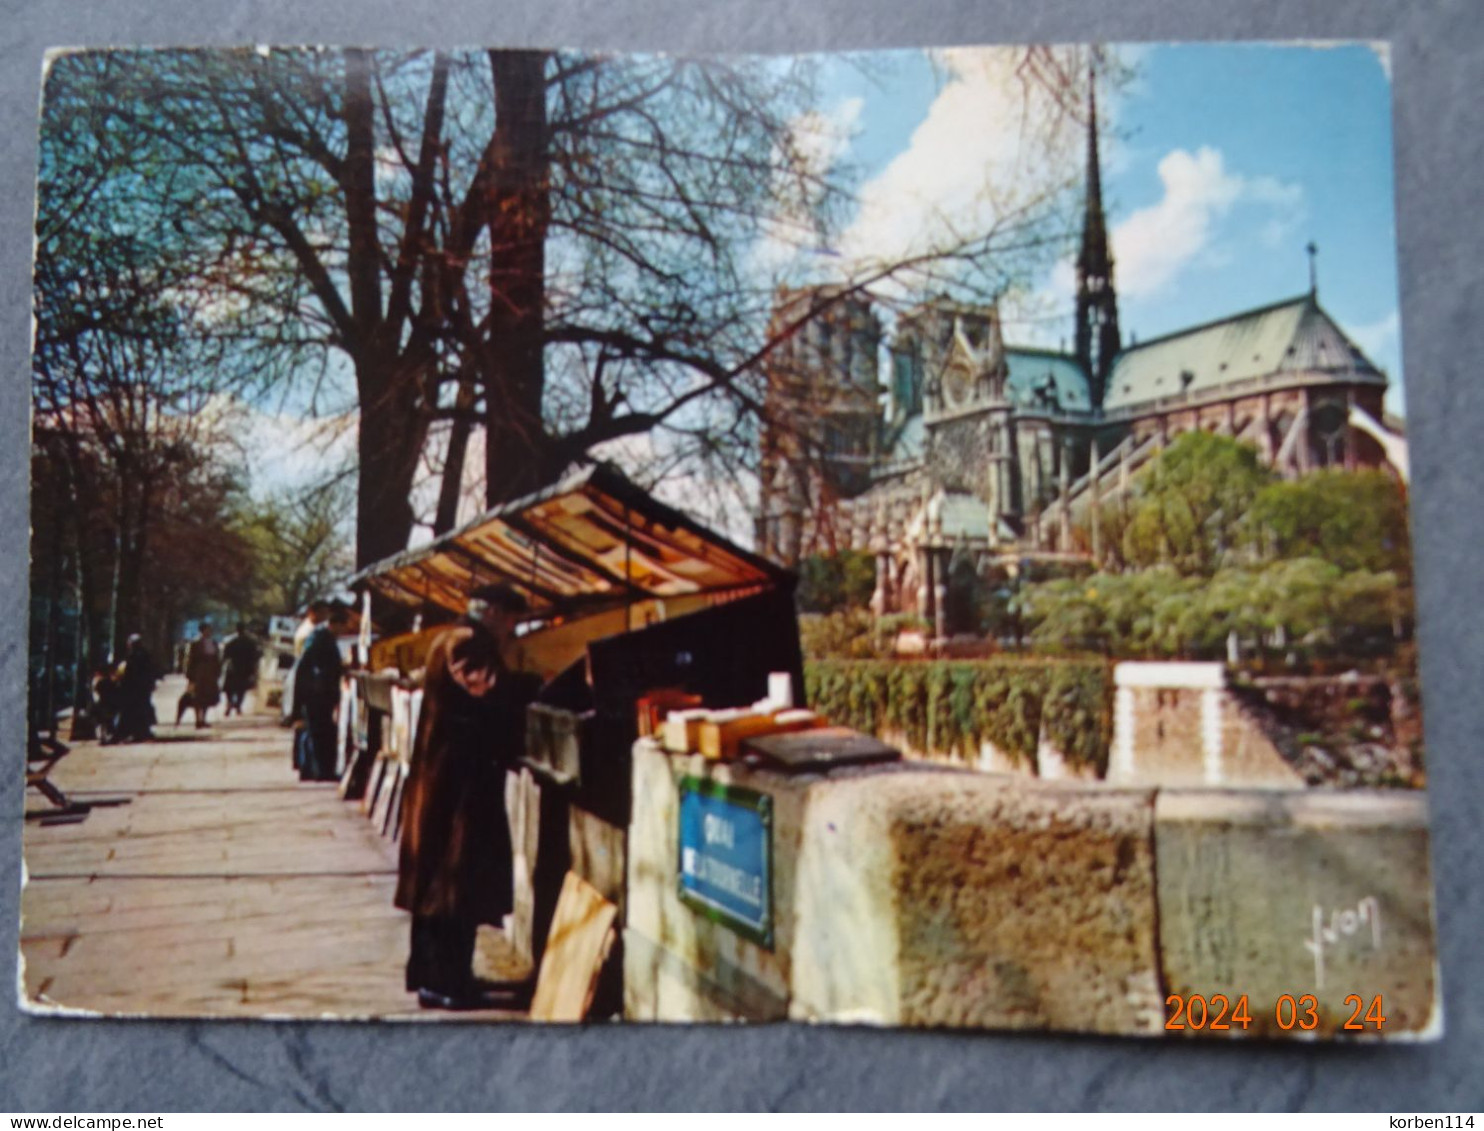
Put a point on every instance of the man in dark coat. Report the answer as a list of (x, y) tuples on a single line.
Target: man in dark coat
[(316, 697), (133, 694), (240, 656), (456, 864)]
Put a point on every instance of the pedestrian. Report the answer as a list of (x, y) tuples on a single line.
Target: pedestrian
[(106, 703), (316, 697), (456, 868), (302, 632), (203, 672), (133, 694), (240, 655)]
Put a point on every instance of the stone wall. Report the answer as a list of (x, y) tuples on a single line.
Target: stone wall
[(1050, 764), (1177, 724), (960, 452), (678, 965), (918, 894), (1015, 905), (907, 894), (1324, 893)]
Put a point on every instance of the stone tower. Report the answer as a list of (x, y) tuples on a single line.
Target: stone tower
[(821, 419)]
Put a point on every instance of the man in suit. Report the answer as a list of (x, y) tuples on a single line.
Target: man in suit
[(316, 698), (240, 655), (456, 858)]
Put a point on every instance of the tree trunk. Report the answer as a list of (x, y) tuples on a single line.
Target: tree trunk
[(121, 525), (451, 488), (79, 507), (389, 443), (517, 455), (393, 421), (135, 493)]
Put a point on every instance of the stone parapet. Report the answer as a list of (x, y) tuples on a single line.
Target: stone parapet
[(1322, 893), (918, 894)]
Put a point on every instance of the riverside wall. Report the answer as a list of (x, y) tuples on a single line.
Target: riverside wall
[(917, 894)]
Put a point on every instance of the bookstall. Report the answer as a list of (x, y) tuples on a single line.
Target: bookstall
[(635, 609)]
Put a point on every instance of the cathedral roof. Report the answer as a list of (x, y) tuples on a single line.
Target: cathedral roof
[(1291, 337), (1034, 374)]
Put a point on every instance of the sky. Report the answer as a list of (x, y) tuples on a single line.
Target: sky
[(1220, 164)]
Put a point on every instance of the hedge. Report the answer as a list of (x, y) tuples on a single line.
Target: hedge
[(951, 706)]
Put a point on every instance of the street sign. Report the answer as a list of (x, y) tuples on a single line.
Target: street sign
[(726, 856)]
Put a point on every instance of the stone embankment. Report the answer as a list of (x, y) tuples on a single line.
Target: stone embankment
[(919, 894)]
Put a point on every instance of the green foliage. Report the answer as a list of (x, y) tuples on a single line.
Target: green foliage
[(297, 548), (952, 706), (1209, 544), (1078, 711), (906, 702), (1307, 606), (1008, 698), (851, 634), (1190, 505), (831, 582), (1356, 520), (847, 635)]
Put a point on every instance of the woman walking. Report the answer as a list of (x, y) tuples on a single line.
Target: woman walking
[(203, 672)]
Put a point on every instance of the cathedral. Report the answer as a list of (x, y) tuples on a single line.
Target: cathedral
[(976, 455)]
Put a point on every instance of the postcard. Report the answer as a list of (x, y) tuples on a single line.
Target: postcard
[(913, 538)]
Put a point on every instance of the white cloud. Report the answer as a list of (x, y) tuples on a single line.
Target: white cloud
[(822, 138), (1205, 217), (285, 452), (990, 143), (1154, 245)]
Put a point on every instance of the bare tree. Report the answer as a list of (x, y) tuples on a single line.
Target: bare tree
[(555, 249), (122, 384)]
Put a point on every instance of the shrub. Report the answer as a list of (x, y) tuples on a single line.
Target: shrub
[(831, 582), (954, 706)]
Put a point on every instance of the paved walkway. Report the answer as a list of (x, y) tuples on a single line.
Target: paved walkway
[(223, 886)]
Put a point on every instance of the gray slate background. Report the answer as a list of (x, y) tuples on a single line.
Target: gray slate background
[(59, 1066)]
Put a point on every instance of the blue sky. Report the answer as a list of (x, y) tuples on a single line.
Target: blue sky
[(1220, 163)]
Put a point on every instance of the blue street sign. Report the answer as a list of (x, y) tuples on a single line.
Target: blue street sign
[(726, 856)]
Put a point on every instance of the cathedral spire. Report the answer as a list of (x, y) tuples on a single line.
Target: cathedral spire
[(1097, 303)]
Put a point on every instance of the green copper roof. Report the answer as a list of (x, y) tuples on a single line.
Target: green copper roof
[(1044, 380), (1295, 337)]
